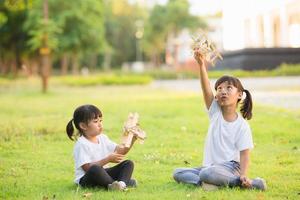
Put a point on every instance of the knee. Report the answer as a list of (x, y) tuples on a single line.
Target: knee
[(95, 169), (206, 175), (176, 174), (129, 163)]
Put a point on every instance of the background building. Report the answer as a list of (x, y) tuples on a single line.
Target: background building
[(251, 34)]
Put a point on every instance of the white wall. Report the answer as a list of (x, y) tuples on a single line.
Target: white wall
[(250, 23)]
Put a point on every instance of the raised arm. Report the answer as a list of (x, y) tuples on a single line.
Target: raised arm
[(204, 80)]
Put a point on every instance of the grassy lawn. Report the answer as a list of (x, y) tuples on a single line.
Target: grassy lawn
[(36, 156)]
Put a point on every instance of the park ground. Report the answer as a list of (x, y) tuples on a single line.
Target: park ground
[(36, 155)]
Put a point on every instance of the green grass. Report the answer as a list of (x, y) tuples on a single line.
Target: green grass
[(36, 155)]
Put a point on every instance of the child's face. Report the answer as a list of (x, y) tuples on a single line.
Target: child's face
[(227, 94), (94, 127)]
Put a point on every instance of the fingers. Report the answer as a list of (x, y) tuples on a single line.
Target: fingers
[(245, 182), (197, 54), (246, 185), (118, 157)]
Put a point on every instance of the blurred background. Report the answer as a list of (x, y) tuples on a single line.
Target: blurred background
[(152, 37)]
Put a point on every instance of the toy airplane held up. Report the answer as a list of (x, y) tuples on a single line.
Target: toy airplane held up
[(206, 48), (132, 129)]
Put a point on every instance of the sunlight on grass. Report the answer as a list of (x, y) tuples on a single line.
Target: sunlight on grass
[(36, 155)]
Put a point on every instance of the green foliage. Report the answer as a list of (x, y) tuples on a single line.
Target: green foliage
[(40, 31), (107, 79), (3, 19), (178, 16), (165, 21), (89, 32), (287, 70), (82, 25), (12, 36), (71, 26), (282, 70), (120, 30), (164, 74), (36, 155)]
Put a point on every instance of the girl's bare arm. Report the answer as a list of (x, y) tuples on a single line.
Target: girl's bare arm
[(244, 162), (113, 157), (204, 80), (124, 150)]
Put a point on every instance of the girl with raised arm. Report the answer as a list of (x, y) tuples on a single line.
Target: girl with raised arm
[(229, 138)]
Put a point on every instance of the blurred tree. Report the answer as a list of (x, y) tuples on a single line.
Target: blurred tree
[(178, 17), (120, 26), (77, 29), (165, 21), (12, 36), (82, 24), (43, 33), (155, 38)]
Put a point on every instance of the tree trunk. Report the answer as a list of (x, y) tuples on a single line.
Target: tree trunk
[(45, 73), (93, 62), (156, 60), (34, 66), (13, 67), (64, 64), (107, 61), (3, 67), (75, 65), (45, 52)]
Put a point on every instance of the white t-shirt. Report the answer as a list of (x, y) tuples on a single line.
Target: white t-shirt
[(86, 151), (224, 139)]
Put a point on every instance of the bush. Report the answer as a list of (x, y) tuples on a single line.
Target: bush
[(169, 74), (105, 80), (287, 70)]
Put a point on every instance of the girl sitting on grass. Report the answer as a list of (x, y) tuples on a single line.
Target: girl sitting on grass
[(229, 139), (94, 150)]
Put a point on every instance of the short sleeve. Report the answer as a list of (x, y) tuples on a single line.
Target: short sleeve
[(214, 108), (244, 140), (111, 146), (81, 155)]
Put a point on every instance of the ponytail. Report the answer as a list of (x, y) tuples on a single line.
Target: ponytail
[(70, 129), (246, 108)]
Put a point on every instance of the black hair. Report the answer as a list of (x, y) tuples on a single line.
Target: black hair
[(82, 114), (246, 108)]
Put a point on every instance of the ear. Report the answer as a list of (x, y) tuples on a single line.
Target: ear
[(240, 95), (215, 97), (83, 126)]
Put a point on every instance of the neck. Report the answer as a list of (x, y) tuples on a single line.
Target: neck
[(93, 139), (229, 113)]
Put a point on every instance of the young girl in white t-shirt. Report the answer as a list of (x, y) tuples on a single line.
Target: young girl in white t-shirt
[(229, 139), (94, 150)]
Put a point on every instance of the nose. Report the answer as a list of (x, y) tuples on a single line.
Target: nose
[(223, 91)]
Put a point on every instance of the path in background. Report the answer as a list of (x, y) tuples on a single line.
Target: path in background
[(276, 91)]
